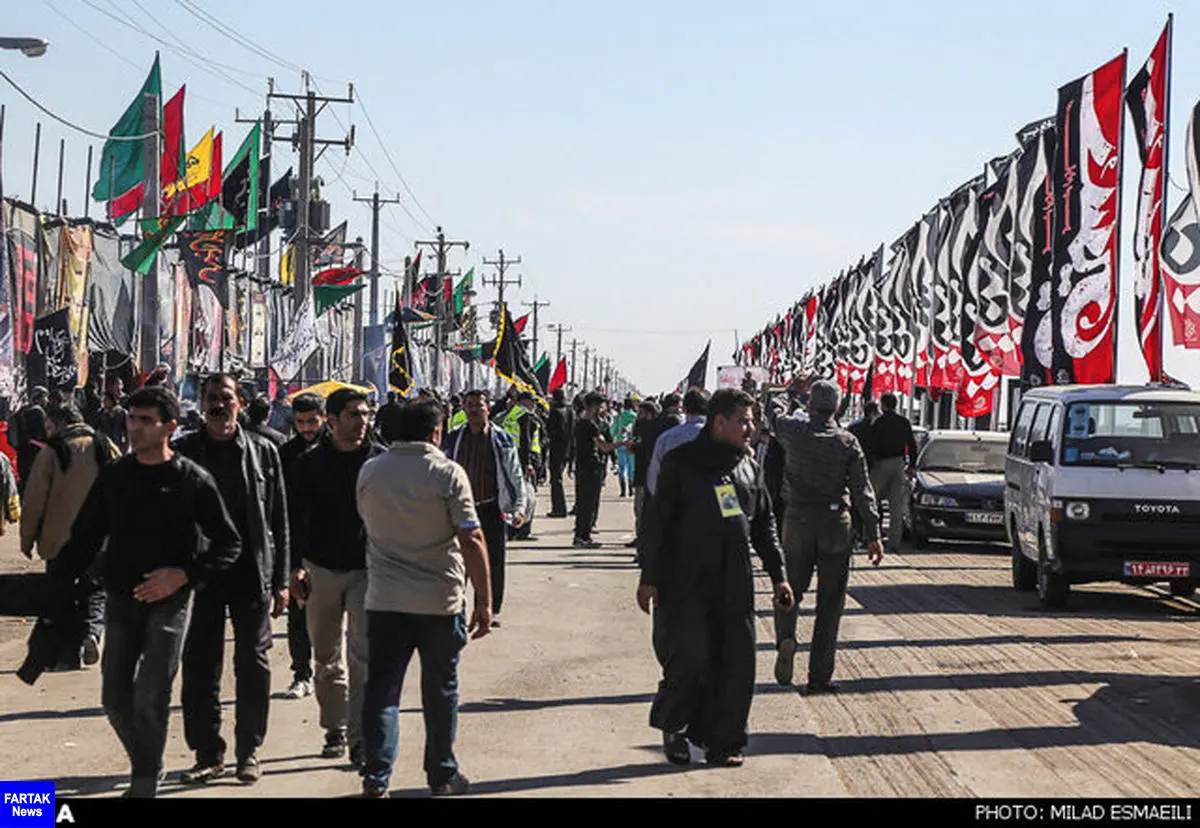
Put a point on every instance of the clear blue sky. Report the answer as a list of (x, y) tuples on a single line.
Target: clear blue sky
[(669, 170)]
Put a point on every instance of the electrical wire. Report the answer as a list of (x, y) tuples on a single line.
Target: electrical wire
[(65, 122), (183, 45), (387, 154)]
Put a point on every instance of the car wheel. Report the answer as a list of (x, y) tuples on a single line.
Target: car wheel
[(1024, 571), (1053, 589), (920, 540), (1183, 588)]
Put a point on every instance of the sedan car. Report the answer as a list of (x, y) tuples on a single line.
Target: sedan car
[(958, 488)]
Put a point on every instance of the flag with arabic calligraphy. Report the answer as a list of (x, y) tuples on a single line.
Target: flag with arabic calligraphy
[(204, 254)]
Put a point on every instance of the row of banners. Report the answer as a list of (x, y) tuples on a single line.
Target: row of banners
[(1015, 273)]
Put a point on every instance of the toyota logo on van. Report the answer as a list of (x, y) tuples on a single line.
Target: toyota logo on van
[(1156, 509)]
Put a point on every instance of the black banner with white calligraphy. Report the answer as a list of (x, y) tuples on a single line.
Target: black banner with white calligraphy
[(51, 359), (205, 257)]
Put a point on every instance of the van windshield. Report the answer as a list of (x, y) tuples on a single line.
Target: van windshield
[(1152, 435), (950, 454)]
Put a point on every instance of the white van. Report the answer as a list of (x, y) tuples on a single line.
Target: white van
[(1102, 483)]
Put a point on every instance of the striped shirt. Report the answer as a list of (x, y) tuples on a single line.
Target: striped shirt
[(479, 459)]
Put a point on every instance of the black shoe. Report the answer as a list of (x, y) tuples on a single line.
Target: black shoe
[(725, 760), (632, 544), (374, 790), (358, 755), (675, 746), (821, 688), (202, 773), (455, 786), (335, 745), (557, 515)]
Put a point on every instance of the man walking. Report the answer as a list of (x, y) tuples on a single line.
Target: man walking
[(825, 472), (524, 426), (590, 449), (422, 535), (622, 431), (168, 534), (59, 482), (309, 422), (250, 479), (257, 415), (27, 432), (695, 406), (643, 450), (498, 487), (560, 426), (892, 441), (330, 546), (709, 511)]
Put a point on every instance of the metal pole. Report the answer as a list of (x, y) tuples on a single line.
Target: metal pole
[(150, 190), (1163, 214), (87, 193), (58, 201), (359, 370), (374, 258), (37, 151)]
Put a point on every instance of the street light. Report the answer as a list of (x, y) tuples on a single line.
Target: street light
[(29, 46)]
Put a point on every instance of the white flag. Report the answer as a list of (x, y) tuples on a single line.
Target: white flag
[(303, 337)]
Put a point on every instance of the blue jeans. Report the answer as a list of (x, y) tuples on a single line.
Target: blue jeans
[(391, 639), (625, 461)]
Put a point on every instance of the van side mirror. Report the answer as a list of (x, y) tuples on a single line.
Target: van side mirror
[(1042, 451)]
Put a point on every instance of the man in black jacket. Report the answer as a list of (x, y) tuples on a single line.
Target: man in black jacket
[(155, 508), (330, 575), (708, 510), (893, 453), (27, 432), (250, 478), (560, 427), (644, 434), (309, 421)]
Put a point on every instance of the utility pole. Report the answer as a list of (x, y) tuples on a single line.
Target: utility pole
[(359, 371), (262, 258), (535, 304), (376, 202), (575, 343), (151, 187), (586, 353), (440, 246), (559, 329), (502, 264)]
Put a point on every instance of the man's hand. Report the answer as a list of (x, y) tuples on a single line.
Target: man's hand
[(645, 596), (481, 621), (301, 582), (279, 607), (518, 521), (160, 584), (783, 595), (875, 552)]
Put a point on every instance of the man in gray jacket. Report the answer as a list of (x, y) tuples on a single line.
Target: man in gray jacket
[(498, 485)]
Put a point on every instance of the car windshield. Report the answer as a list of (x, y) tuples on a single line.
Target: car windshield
[(1132, 434), (964, 455)]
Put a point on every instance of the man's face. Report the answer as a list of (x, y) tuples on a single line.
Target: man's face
[(735, 430), (221, 408), (109, 405), (146, 430), (309, 424), (350, 426), (477, 411)]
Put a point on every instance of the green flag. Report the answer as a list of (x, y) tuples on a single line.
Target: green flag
[(467, 283), (327, 296), (122, 163), (239, 183), (141, 257)]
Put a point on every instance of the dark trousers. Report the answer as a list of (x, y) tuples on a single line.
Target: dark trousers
[(25, 458), (391, 639), (299, 644), (707, 687), (819, 542), (558, 493), (588, 485), (203, 660), (495, 532), (82, 620), (141, 658)]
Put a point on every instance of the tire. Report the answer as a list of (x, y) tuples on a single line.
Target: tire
[(1024, 571), (1053, 589), (920, 540), (1183, 588)]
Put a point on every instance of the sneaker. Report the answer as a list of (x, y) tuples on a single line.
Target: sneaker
[(821, 688), (202, 773), (358, 755), (299, 689), (455, 786), (90, 652), (335, 744), (785, 662), (249, 770), (586, 543), (374, 790), (725, 760), (675, 746)]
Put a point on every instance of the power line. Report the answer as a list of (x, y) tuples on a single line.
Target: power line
[(65, 122), (392, 161), (188, 49)]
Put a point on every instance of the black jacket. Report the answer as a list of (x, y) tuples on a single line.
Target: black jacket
[(268, 539), (560, 427), (327, 528), (695, 546), (892, 436)]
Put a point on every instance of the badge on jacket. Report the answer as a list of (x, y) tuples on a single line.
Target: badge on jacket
[(727, 499)]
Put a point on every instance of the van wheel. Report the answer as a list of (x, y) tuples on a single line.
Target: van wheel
[(1024, 571), (1052, 588), (1183, 588)]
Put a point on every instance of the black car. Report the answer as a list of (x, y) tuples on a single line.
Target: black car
[(958, 489)]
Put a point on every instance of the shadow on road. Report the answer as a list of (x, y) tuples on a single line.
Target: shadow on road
[(985, 641), (531, 784)]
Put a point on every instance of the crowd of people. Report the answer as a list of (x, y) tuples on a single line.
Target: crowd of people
[(365, 527)]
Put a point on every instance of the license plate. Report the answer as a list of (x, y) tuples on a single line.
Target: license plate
[(992, 518), (1148, 569)]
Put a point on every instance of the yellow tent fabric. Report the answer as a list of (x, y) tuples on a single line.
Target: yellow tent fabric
[(326, 388)]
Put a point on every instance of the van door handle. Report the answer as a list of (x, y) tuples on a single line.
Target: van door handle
[(1015, 487)]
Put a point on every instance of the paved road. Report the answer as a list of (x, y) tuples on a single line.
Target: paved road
[(953, 685)]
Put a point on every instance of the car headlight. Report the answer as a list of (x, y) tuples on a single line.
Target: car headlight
[(937, 500), (1077, 510)]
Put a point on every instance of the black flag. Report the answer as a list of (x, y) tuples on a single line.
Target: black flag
[(51, 359), (699, 372), (509, 356), (270, 205), (205, 256), (332, 248), (399, 366)]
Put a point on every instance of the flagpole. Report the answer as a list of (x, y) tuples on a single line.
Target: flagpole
[(1116, 281), (1163, 214)]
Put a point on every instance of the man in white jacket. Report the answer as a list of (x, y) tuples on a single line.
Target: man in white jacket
[(489, 456)]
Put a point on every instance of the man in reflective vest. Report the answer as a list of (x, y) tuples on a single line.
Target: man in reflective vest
[(521, 422)]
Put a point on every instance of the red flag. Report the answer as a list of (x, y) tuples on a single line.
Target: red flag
[(519, 324), (127, 202), (1087, 191), (174, 155), (337, 276), (1147, 102), (977, 392), (214, 179), (559, 378)]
